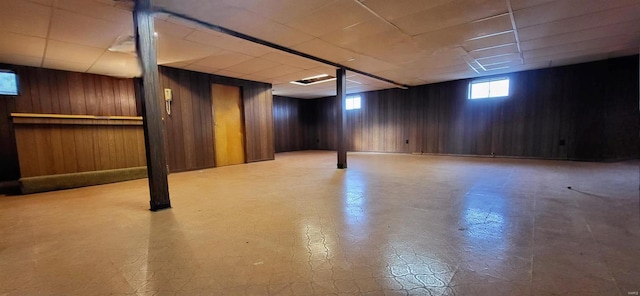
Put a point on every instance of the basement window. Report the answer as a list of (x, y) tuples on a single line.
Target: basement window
[(353, 103), (8, 83), (489, 88)]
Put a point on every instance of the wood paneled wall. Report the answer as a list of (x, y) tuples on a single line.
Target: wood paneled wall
[(190, 126), (587, 112), (293, 124), (59, 149), (43, 149)]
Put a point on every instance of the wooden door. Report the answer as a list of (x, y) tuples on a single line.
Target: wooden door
[(228, 123)]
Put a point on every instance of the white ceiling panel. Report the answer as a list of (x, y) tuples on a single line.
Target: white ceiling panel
[(291, 60), (12, 43), (558, 10), (223, 60), (603, 44), (84, 30), (625, 28), (24, 18), (391, 10), (252, 66), (171, 50), (580, 23), (63, 51), (329, 18), (67, 65), (96, 10), (449, 14), (409, 41), (277, 71), (19, 59), (116, 64), (230, 43), (325, 50)]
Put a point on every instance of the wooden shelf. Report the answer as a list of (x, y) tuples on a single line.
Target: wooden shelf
[(36, 118)]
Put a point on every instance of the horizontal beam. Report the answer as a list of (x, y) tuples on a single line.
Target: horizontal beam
[(275, 46)]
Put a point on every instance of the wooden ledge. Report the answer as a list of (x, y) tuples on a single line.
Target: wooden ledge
[(36, 118)]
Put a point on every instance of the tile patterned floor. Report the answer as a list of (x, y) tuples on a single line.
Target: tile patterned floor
[(391, 224)]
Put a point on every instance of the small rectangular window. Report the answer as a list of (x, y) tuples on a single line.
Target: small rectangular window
[(353, 103), (8, 83), (491, 88)]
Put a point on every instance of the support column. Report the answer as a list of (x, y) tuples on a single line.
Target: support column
[(341, 96), (151, 110)]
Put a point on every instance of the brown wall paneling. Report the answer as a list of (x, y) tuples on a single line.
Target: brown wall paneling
[(67, 149), (591, 108), (190, 127), (292, 124), (46, 149)]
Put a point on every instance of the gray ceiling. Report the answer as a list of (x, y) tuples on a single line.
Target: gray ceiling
[(411, 42)]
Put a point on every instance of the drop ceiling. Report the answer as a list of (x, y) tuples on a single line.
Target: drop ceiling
[(411, 42)]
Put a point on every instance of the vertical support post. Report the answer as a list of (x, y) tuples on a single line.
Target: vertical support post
[(341, 96), (151, 111)]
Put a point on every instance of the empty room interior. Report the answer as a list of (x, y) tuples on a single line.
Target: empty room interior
[(319, 147)]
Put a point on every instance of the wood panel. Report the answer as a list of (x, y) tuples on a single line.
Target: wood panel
[(586, 111), (228, 125), (59, 149), (293, 124), (190, 126), (61, 92)]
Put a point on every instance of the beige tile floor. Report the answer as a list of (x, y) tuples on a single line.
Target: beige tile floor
[(390, 224)]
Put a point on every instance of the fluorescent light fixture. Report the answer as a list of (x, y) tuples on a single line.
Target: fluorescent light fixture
[(314, 80)]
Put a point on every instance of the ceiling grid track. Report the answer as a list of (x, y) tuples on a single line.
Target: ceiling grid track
[(275, 46), (515, 30)]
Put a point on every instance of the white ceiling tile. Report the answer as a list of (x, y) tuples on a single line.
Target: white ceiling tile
[(66, 65), (200, 68), (166, 28), (252, 66), (626, 28), (290, 59), (339, 15), (116, 64), (520, 4), (223, 59), (324, 50), (495, 51), (277, 71), (84, 30), (448, 15), (353, 34), (583, 22), (493, 41), (24, 18), (175, 50), (254, 77), (18, 59), (230, 43), (282, 11), (391, 10), (97, 10), (558, 10), (504, 58), (228, 73), (63, 51), (12, 43), (368, 64), (603, 44)]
